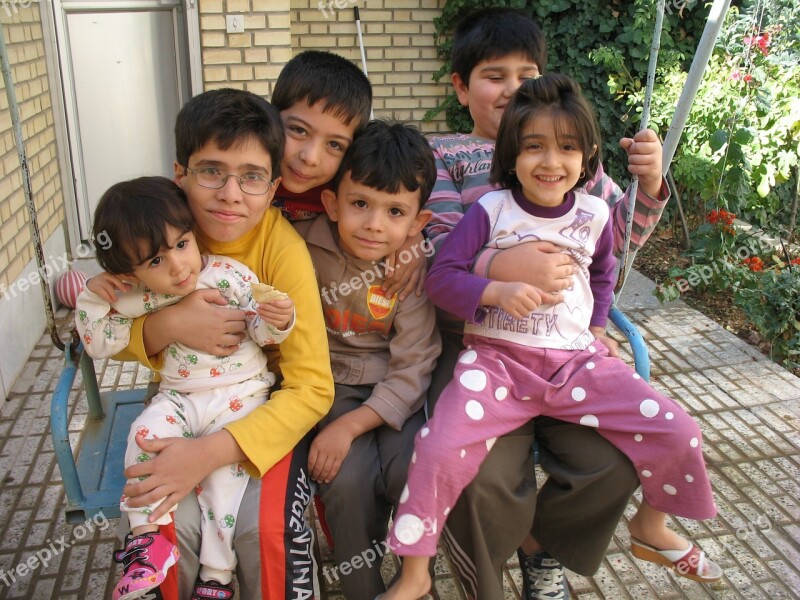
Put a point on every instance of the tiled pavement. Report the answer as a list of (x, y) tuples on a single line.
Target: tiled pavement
[(748, 408)]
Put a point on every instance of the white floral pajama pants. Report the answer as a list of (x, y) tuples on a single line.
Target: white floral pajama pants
[(195, 414)]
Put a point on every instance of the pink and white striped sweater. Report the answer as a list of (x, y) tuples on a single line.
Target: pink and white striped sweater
[(463, 163)]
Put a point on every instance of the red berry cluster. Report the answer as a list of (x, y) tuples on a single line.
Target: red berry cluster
[(723, 218), (754, 263)]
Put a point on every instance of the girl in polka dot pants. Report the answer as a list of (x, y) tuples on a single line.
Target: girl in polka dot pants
[(529, 354)]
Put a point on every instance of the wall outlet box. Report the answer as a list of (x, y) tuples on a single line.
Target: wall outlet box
[(234, 23)]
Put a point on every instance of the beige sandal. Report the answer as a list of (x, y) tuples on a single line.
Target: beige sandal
[(692, 564)]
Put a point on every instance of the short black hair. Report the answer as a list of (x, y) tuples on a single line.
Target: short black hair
[(495, 32), (228, 117), (131, 219), (315, 76), (560, 96), (388, 156)]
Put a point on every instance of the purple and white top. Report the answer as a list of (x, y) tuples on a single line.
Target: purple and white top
[(502, 219)]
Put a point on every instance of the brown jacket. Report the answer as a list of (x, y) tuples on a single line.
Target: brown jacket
[(373, 340)]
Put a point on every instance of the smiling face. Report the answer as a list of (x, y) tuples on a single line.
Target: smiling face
[(226, 214), (490, 86), (550, 160), (176, 267), (373, 224), (315, 145)]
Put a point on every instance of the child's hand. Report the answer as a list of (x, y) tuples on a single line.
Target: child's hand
[(644, 160), (548, 268), (610, 343), (277, 313), (106, 285), (328, 451), (518, 299), (408, 276)]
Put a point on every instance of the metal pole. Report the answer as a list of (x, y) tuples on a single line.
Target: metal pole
[(16, 122), (626, 258), (708, 40), (363, 53)]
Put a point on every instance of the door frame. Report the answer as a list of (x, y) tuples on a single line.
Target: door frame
[(50, 12)]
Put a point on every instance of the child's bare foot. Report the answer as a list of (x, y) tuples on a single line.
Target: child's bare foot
[(408, 587), (659, 536), (651, 540)]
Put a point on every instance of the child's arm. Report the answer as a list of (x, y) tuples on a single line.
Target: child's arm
[(267, 323), (332, 445), (602, 278), (447, 206), (445, 203), (644, 159), (104, 331), (277, 317), (216, 330), (516, 298), (107, 285), (453, 287), (408, 264)]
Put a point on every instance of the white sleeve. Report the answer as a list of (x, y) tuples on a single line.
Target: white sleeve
[(104, 331), (262, 332)]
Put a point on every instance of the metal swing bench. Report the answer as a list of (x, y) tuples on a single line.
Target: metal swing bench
[(93, 479)]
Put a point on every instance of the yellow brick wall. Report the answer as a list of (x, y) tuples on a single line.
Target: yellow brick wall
[(249, 60), (22, 31), (398, 37)]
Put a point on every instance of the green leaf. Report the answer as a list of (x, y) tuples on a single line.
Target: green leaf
[(744, 135), (718, 139)]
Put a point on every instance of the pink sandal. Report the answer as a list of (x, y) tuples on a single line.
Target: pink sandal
[(692, 564)]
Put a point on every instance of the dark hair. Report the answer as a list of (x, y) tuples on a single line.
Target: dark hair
[(388, 156), (495, 32), (228, 117), (316, 76), (130, 221), (560, 96)]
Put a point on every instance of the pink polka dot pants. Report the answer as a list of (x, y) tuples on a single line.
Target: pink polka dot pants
[(498, 386)]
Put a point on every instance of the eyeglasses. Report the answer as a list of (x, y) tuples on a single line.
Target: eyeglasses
[(250, 183)]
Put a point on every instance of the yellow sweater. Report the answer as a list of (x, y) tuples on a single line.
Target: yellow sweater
[(278, 256)]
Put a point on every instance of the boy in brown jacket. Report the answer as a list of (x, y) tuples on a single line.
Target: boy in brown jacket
[(383, 350)]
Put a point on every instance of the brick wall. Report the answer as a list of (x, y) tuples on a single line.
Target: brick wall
[(398, 37), (22, 32), (249, 60)]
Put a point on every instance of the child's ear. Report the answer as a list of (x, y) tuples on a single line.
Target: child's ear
[(272, 191), (331, 205), (179, 172), (462, 89), (420, 221)]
